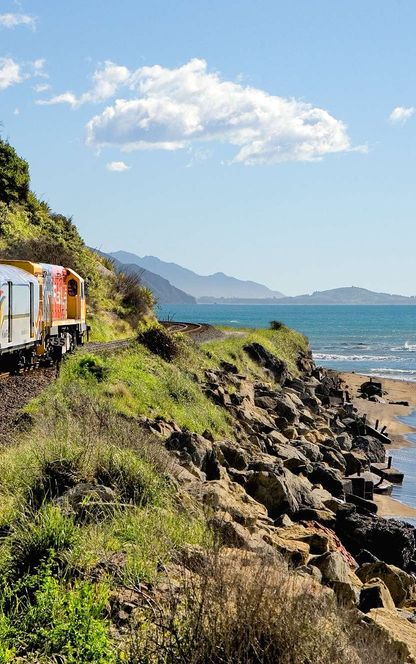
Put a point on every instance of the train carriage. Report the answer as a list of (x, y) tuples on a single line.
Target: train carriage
[(42, 311), (19, 308)]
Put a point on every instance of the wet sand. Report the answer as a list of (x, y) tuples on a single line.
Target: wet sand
[(387, 414)]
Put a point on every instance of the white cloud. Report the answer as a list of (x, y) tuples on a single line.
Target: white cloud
[(13, 20), (106, 81), (177, 108), (402, 114), (38, 68), (16, 111), (10, 73), (117, 166), (64, 98), (41, 87)]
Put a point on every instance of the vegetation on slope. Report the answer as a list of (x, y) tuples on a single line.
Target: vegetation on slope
[(30, 230)]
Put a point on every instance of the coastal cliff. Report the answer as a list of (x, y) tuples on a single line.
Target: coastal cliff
[(176, 499)]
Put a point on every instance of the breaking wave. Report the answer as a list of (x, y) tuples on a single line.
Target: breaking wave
[(353, 358)]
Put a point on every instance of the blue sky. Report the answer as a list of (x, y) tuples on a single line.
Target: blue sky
[(270, 140)]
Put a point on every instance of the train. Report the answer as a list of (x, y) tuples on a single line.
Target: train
[(42, 313)]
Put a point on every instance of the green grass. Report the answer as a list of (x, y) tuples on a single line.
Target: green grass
[(284, 343)]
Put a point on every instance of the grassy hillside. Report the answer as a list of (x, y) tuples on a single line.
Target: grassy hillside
[(30, 230)]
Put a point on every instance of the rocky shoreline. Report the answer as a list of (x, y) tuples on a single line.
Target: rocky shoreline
[(294, 486)]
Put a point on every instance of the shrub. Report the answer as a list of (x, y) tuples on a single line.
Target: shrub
[(159, 341), (55, 623), (38, 539), (132, 477), (92, 366), (14, 175), (276, 325), (242, 608), (135, 298)]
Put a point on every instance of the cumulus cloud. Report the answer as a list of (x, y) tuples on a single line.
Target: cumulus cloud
[(10, 73), (402, 114), (13, 20), (176, 108), (117, 166), (106, 81)]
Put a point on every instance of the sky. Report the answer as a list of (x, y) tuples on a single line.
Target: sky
[(270, 140)]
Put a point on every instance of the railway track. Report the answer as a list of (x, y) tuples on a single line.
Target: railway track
[(184, 328)]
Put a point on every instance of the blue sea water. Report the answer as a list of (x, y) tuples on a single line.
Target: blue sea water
[(375, 340)]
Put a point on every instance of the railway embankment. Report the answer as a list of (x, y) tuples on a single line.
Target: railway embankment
[(194, 502)]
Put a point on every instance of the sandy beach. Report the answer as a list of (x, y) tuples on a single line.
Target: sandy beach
[(387, 414)]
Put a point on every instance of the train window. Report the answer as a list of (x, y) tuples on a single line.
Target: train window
[(10, 311), (72, 288)]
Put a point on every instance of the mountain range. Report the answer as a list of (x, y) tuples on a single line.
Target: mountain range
[(213, 285), (348, 295), (173, 284)]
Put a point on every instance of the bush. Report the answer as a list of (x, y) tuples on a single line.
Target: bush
[(160, 342), (56, 623), (242, 608), (92, 366), (276, 325), (38, 539), (14, 175), (132, 477), (136, 300)]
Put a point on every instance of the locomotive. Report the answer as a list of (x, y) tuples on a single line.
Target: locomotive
[(42, 312)]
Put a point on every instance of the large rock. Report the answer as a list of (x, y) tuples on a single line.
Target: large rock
[(330, 479), (389, 540), (372, 448), (191, 444), (344, 441), (339, 576), (309, 450), (285, 407), (398, 633), (375, 595), (87, 501), (278, 368), (234, 455), (224, 497), (402, 586), (282, 491)]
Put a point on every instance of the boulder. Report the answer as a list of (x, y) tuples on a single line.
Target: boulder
[(355, 461), (338, 575), (87, 501), (193, 444), (398, 633), (333, 458), (372, 448), (371, 388), (309, 450), (234, 455), (330, 479), (285, 408), (225, 497), (263, 357), (374, 595), (390, 540), (332, 566), (402, 586), (282, 491)]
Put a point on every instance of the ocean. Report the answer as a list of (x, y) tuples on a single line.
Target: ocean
[(374, 340)]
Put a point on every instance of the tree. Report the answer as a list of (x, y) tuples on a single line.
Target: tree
[(14, 175)]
